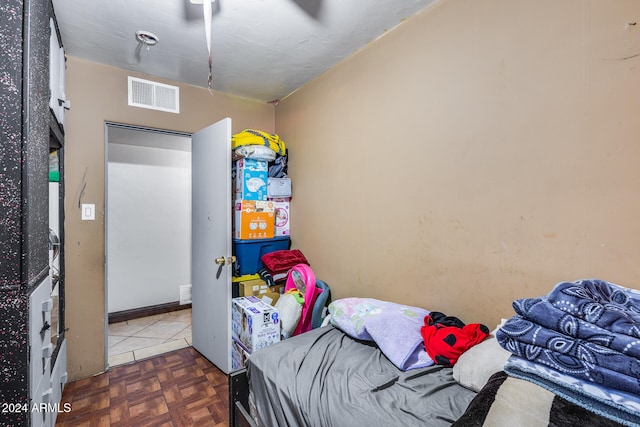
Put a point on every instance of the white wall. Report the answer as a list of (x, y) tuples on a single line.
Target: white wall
[(149, 225)]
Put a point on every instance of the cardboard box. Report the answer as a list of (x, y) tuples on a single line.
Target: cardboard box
[(282, 217), (272, 294), (253, 219), (259, 288), (251, 179), (239, 355), (255, 324), (270, 298), (253, 287), (279, 187)]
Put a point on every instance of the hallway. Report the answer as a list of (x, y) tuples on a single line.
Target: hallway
[(145, 337)]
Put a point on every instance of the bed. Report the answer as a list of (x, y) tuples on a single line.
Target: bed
[(326, 377)]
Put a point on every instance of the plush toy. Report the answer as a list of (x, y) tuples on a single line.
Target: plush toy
[(289, 308)]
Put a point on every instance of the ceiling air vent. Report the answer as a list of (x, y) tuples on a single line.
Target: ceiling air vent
[(153, 95)]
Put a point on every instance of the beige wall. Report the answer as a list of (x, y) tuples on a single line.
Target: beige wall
[(482, 152), (99, 94)]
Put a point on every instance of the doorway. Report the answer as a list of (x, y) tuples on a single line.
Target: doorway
[(148, 242)]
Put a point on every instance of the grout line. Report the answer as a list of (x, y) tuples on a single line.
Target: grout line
[(145, 353), (165, 346)]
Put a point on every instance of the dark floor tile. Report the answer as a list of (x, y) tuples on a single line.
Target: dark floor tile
[(176, 389)]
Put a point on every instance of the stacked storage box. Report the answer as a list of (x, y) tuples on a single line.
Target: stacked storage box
[(255, 322), (255, 325), (253, 214), (261, 214), (279, 192)]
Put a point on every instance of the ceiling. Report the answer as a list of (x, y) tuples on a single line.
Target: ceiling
[(262, 49)]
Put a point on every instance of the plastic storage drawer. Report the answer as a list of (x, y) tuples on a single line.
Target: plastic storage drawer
[(249, 252)]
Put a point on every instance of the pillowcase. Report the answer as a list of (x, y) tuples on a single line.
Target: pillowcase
[(395, 328), (352, 315), (476, 365)]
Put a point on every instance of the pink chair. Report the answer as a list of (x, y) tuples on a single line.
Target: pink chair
[(301, 277)]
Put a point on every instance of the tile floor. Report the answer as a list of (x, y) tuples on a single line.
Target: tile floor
[(145, 337)]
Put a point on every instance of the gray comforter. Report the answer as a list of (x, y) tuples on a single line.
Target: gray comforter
[(325, 378)]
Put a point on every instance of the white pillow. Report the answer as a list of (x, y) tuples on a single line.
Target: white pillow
[(476, 365)]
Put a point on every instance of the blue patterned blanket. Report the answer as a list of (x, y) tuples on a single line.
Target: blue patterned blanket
[(589, 329), (571, 356), (621, 407), (542, 312), (603, 304)]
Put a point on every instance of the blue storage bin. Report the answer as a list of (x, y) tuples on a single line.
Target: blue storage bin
[(249, 252)]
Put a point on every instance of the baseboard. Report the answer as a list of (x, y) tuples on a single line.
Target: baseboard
[(135, 313)]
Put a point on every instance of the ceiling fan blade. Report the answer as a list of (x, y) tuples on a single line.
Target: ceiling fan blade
[(192, 11), (311, 7)]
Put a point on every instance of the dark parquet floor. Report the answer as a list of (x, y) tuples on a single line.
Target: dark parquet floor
[(175, 389)]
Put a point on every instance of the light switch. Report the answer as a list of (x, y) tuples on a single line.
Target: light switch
[(88, 212)]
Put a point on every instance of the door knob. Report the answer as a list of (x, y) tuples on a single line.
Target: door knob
[(231, 259), (220, 261)]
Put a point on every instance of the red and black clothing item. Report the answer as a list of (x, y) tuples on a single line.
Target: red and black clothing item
[(447, 337)]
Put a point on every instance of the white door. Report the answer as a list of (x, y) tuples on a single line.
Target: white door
[(211, 243)]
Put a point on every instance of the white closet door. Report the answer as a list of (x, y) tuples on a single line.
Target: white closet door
[(211, 241)]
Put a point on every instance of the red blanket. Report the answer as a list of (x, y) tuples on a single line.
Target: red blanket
[(282, 261)]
